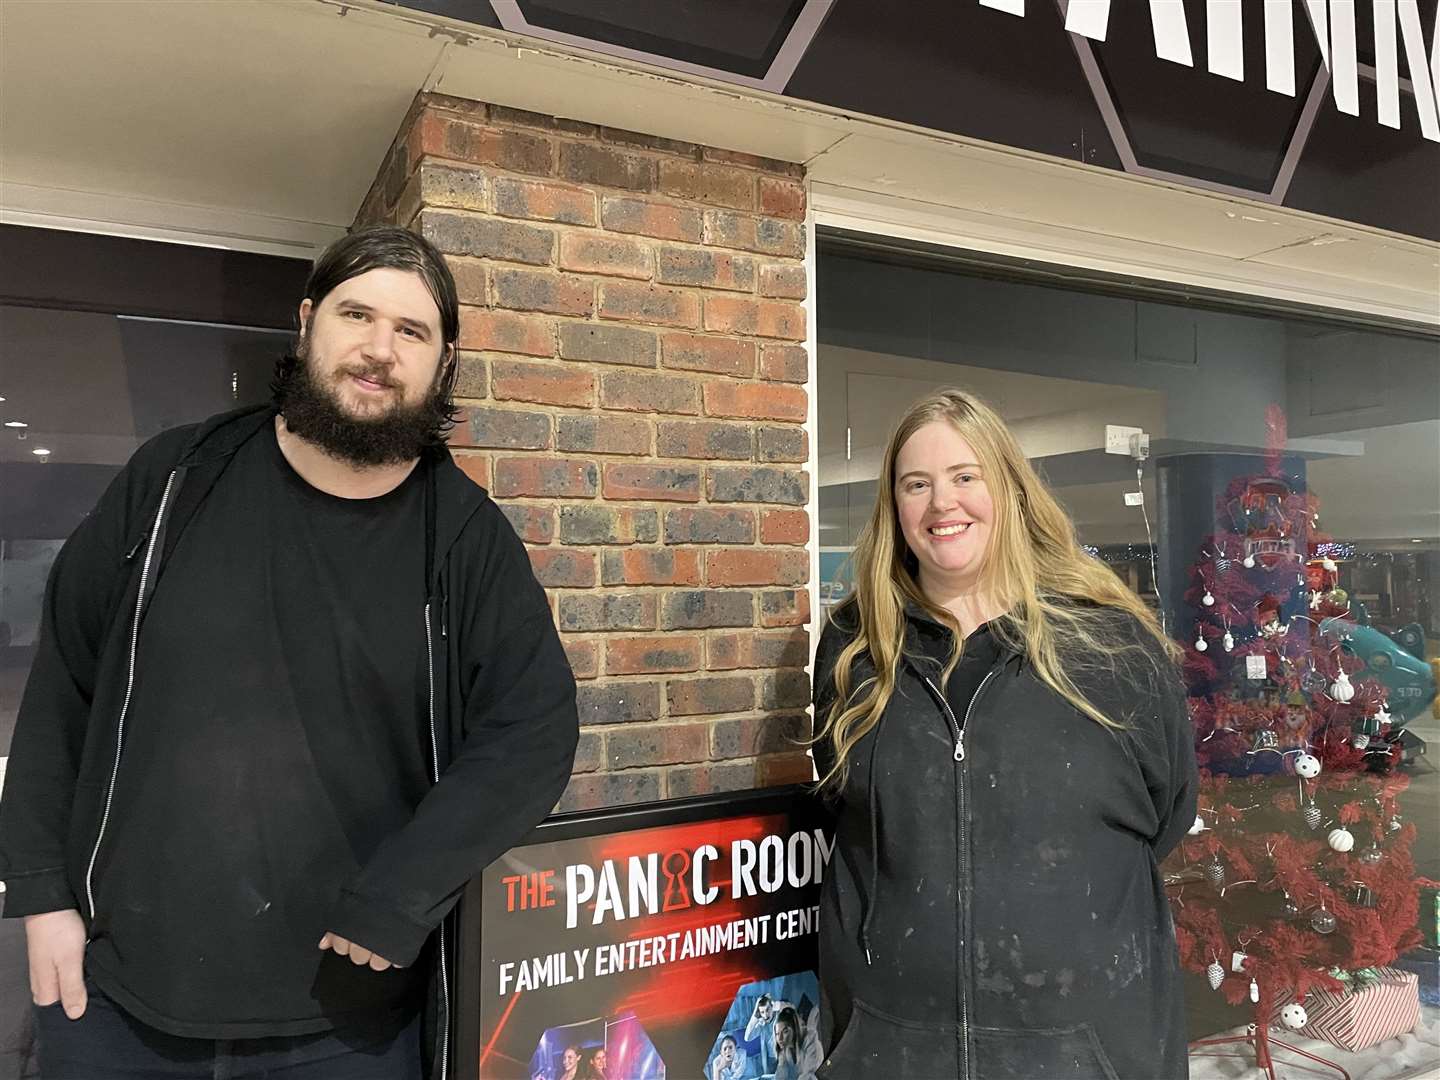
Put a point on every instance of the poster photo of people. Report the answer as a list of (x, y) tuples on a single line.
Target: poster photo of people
[(771, 1032), (616, 946)]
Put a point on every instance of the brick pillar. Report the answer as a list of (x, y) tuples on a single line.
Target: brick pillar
[(634, 381)]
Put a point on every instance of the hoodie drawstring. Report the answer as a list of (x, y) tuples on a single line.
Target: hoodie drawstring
[(872, 900)]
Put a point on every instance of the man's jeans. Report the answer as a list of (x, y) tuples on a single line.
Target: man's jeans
[(108, 1044)]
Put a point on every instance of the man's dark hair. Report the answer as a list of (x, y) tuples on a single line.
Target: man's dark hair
[(376, 247)]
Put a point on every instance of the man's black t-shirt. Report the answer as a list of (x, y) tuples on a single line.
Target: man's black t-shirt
[(276, 734)]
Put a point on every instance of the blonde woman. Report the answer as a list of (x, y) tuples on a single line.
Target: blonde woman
[(1003, 733)]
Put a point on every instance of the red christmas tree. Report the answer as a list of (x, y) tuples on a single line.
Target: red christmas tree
[(1298, 861)]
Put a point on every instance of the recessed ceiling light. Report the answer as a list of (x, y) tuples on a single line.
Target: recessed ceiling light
[(1417, 540), (40, 451), (16, 423)]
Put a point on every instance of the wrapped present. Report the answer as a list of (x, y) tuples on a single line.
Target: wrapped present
[(1430, 916), (1425, 963), (1381, 1003)]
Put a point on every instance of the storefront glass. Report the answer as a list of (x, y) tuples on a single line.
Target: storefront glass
[(1291, 512)]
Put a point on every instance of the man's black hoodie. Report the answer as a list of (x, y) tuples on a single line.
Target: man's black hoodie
[(500, 694)]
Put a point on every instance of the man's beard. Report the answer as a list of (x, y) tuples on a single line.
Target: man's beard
[(313, 410)]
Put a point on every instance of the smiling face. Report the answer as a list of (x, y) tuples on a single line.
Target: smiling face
[(944, 508), (570, 1058)]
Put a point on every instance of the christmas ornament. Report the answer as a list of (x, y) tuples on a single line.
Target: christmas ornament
[(1360, 740), (1395, 824), (1266, 739), (1362, 895), (1323, 922), (1312, 682), (1338, 598), (1297, 711), (1224, 565), (1200, 643), (1382, 715), (1307, 765), (1208, 599), (1327, 564), (1293, 1016), (1215, 873), (1341, 689), (1249, 562), (1228, 641), (1289, 909), (1311, 813), (1341, 840), (1198, 827), (1372, 855), (1254, 991), (1216, 974)]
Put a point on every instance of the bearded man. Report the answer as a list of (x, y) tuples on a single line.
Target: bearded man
[(296, 685)]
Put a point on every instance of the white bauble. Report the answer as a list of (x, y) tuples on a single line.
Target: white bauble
[(1201, 644), (1198, 827), (1341, 840), (1216, 974), (1307, 765), (1341, 689), (1293, 1016)]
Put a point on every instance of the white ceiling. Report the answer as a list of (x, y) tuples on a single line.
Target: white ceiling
[(259, 124)]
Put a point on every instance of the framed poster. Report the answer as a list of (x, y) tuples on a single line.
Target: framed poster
[(670, 940)]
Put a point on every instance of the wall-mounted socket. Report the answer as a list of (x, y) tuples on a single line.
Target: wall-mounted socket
[(1117, 438)]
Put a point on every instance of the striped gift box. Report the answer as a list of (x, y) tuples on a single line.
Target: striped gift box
[(1356, 1019)]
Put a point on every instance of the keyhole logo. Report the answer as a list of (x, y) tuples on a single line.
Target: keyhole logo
[(677, 891)]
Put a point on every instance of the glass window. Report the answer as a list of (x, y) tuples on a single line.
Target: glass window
[(1292, 484), (87, 374)]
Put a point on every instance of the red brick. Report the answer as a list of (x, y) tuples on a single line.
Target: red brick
[(652, 655), (713, 184), (513, 151), (784, 363), (726, 694), (769, 236), (785, 607), (755, 401), (758, 649), (544, 201), (608, 525), (436, 184), (703, 526), (533, 524), (662, 220), (595, 791), (546, 477), (650, 566), (705, 269), (781, 198), (762, 318), (777, 770), (786, 688), (597, 253), (651, 304), (602, 343), (589, 612), (652, 482), (697, 352), (785, 280), (504, 114), (456, 233), (618, 702), (505, 429), (584, 656), (707, 440), (784, 527), (561, 568), (590, 434), (531, 290), (469, 274), (649, 142), (589, 163), (753, 161), (505, 331), (657, 744), (782, 444), (544, 384), (590, 747), (703, 609), (636, 392), (751, 566), (476, 467)]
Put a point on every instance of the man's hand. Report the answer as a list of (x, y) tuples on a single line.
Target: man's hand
[(358, 954), (56, 944)]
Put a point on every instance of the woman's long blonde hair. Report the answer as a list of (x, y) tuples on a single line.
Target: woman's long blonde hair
[(1033, 568)]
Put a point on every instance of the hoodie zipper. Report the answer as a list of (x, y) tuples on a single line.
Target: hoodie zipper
[(129, 688), (435, 773)]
